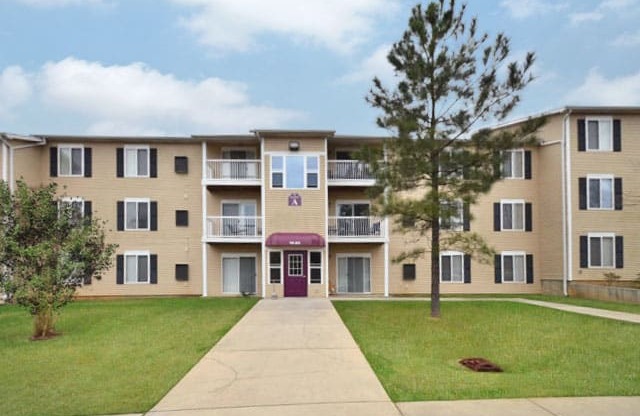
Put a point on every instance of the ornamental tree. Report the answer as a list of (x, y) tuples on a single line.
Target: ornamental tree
[(449, 80), (46, 252)]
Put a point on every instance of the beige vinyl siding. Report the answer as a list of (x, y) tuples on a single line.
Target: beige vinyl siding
[(307, 144), (173, 245), (624, 164), (345, 194), (217, 195), (30, 164), (215, 253)]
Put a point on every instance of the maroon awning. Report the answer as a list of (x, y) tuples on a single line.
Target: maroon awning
[(295, 239)]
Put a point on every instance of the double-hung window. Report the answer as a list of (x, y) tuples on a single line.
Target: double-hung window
[(275, 267), (136, 161), (452, 267), (599, 134), (513, 164), (294, 171), (601, 250), (76, 208), (315, 267), (600, 191), (451, 217), (136, 267), (513, 267), (70, 160), (512, 215), (137, 214)]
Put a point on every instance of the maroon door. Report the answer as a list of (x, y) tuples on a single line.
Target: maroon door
[(295, 273)]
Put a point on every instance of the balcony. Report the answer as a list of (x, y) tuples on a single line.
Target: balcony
[(233, 172), (356, 229), (234, 229), (349, 173)]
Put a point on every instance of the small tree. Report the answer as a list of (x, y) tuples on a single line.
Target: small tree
[(450, 78), (46, 252)]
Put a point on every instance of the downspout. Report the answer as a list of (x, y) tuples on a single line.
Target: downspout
[(263, 185), (325, 256), (5, 162), (203, 184), (567, 243), (11, 163)]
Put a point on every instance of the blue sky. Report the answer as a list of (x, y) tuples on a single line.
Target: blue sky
[(174, 67)]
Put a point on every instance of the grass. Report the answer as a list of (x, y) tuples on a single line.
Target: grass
[(117, 356), (543, 352)]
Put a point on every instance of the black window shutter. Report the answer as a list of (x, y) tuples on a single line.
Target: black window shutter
[(87, 210), (496, 216), (529, 269), (527, 164), (120, 162), (528, 216), (153, 269), (584, 251), (467, 268), (466, 217), (154, 216), (582, 193), (182, 272), (181, 164), (87, 162), (120, 205), (619, 252), (582, 137), (153, 162), (53, 162), (617, 136), (498, 269), (617, 190), (119, 269), (497, 165)]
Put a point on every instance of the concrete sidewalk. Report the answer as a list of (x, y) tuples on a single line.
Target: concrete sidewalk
[(284, 357)]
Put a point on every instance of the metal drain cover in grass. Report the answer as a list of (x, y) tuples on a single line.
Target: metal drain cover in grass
[(480, 364)]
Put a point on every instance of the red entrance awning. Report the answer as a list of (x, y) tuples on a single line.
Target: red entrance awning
[(295, 239)]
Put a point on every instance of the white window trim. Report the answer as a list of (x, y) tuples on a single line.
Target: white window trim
[(613, 191), (137, 201), (452, 253), (279, 267), (524, 263), (137, 147), (236, 256), (347, 255), (321, 267), (71, 146), (586, 133), (504, 202), (239, 201), (351, 202), (137, 254), (512, 163), (284, 170), (601, 235)]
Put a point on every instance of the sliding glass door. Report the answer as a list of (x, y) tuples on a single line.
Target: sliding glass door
[(354, 274)]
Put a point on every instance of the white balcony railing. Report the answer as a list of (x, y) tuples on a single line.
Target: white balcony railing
[(341, 170), (233, 170), (356, 227), (234, 227)]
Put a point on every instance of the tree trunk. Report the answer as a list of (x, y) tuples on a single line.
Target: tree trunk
[(435, 270), (44, 324)]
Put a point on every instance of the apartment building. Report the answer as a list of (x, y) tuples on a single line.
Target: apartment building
[(287, 213)]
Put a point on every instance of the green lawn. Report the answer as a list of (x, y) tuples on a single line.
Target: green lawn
[(116, 356), (544, 352)]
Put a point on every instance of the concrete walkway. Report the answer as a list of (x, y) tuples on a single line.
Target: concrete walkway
[(284, 357)]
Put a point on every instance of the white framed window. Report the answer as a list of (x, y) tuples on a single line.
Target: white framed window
[(513, 164), (600, 192), (137, 212), (77, 208), (70, 160), (453, 222), (512, 214), (275, 267), (599, 133), (136, 161), (137, 266), (513, 267), (602, 248), (295, 171), (452, 267), (315, 267)]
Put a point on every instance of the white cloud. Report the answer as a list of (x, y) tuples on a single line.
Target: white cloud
[(598, 90), (521, 9), (578, 18), (237, 25), (60, 3), (599, 13), (15, 90), (137, 99), (375, 65), (627, 39)]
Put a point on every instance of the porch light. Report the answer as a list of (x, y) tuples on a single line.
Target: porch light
[(294, 145)]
